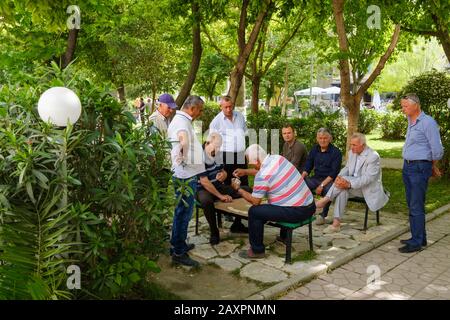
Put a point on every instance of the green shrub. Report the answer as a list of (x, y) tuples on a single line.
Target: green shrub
[(393, 125), (433, 90), (113, 223), (368, 120), (210, 110)]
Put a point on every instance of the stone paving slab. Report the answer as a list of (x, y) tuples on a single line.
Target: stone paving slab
[(419, 275)]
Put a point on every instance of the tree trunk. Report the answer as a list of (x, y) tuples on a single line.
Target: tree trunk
[(352, 107), (121, 92), (196, 56), (283, 112), (153, 98), (256, 83), (71, 45)]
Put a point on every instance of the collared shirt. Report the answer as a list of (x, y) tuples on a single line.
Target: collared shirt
[(423, 141), (357, 165), (296, 154), (232, 132), (160, 122), (282, 183), (327, 163), (192, 164)]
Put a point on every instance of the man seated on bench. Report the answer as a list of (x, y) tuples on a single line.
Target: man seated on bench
[(361, 177), (211, 187), (289, 199)]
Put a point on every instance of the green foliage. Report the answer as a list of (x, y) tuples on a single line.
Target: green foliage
[(307, 128), (115, 220), (433, 90), (368, 120), (393, 125), (210, 110)]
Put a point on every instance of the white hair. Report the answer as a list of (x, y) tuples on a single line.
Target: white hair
[(361, 137), (215, 137), (254, 153)]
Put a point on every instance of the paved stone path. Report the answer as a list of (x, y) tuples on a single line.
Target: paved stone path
[(420, 275)]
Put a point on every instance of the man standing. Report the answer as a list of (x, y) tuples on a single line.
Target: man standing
[(361, 177), (187, 163), (161, 116), (326, 161), (421, 152), (231, 126), (293, 150), (289, 198)]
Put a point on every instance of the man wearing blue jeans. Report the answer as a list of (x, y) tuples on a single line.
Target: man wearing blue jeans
[(187, 163), (421, 152)]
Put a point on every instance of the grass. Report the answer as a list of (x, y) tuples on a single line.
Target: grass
[(386, 148), (304, 256), (437, 194)]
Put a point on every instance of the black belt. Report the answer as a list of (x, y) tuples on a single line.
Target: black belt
[(413, 161)]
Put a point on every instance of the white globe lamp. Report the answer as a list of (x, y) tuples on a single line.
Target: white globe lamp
[(60, 106)]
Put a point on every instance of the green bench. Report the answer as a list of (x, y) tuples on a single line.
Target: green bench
[(221, 208)]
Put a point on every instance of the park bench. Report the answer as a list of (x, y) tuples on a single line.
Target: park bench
[(239, 208)]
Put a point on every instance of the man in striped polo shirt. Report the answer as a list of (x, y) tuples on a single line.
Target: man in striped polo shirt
[(289, 199)]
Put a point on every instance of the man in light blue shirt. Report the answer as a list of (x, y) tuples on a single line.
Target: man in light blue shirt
[(421, 152)]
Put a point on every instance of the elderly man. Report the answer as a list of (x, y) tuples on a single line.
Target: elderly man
[(421, 152), (187, 163), (293, 150), (325, 159), (161, 116), (289, 198), (211, 186), (361, 177), (230, 124)]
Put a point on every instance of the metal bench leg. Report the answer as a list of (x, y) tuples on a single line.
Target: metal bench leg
[(196, 220), (288, 245), (219, 220), (366, 218), (378, 217), (311, 247)]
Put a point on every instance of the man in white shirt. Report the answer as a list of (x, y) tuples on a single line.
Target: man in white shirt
[(161, 117), (230, 124), (187, 163)]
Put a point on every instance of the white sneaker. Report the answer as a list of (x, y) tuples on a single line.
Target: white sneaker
[(320, 220), (331, 229)]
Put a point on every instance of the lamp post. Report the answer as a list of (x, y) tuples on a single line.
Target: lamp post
[(61, 107)]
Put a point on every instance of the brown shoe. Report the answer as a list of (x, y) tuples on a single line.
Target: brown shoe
[(249, 254)]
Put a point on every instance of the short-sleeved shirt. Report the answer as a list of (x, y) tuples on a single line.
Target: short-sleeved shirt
[(296, 154), (232, 132), (423, 141), (194, 163), (327, 163), (282, 183)]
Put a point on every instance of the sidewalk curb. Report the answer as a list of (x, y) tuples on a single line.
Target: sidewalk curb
[(282, 287)]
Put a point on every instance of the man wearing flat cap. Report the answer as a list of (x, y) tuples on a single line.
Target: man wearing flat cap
[(162, 115)]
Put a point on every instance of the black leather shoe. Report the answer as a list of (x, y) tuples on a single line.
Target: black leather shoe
[(190, 246), (185, 260), (407, 241), (238, 228), (409, 249), (213, 240)]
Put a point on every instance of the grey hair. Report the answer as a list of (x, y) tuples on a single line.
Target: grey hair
[(361, 137), (255, 152), (412, 97), (324, 131), (192, 101)]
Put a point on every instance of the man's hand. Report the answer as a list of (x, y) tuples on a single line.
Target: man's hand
[(226, 198), (435, 172), (239, 173), (221, 176), (304, 174), (319, 190), (235, 183), (341, 183)]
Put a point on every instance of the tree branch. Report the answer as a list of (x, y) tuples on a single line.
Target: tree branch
[(421, 32), (215, 46), (376, 72)]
